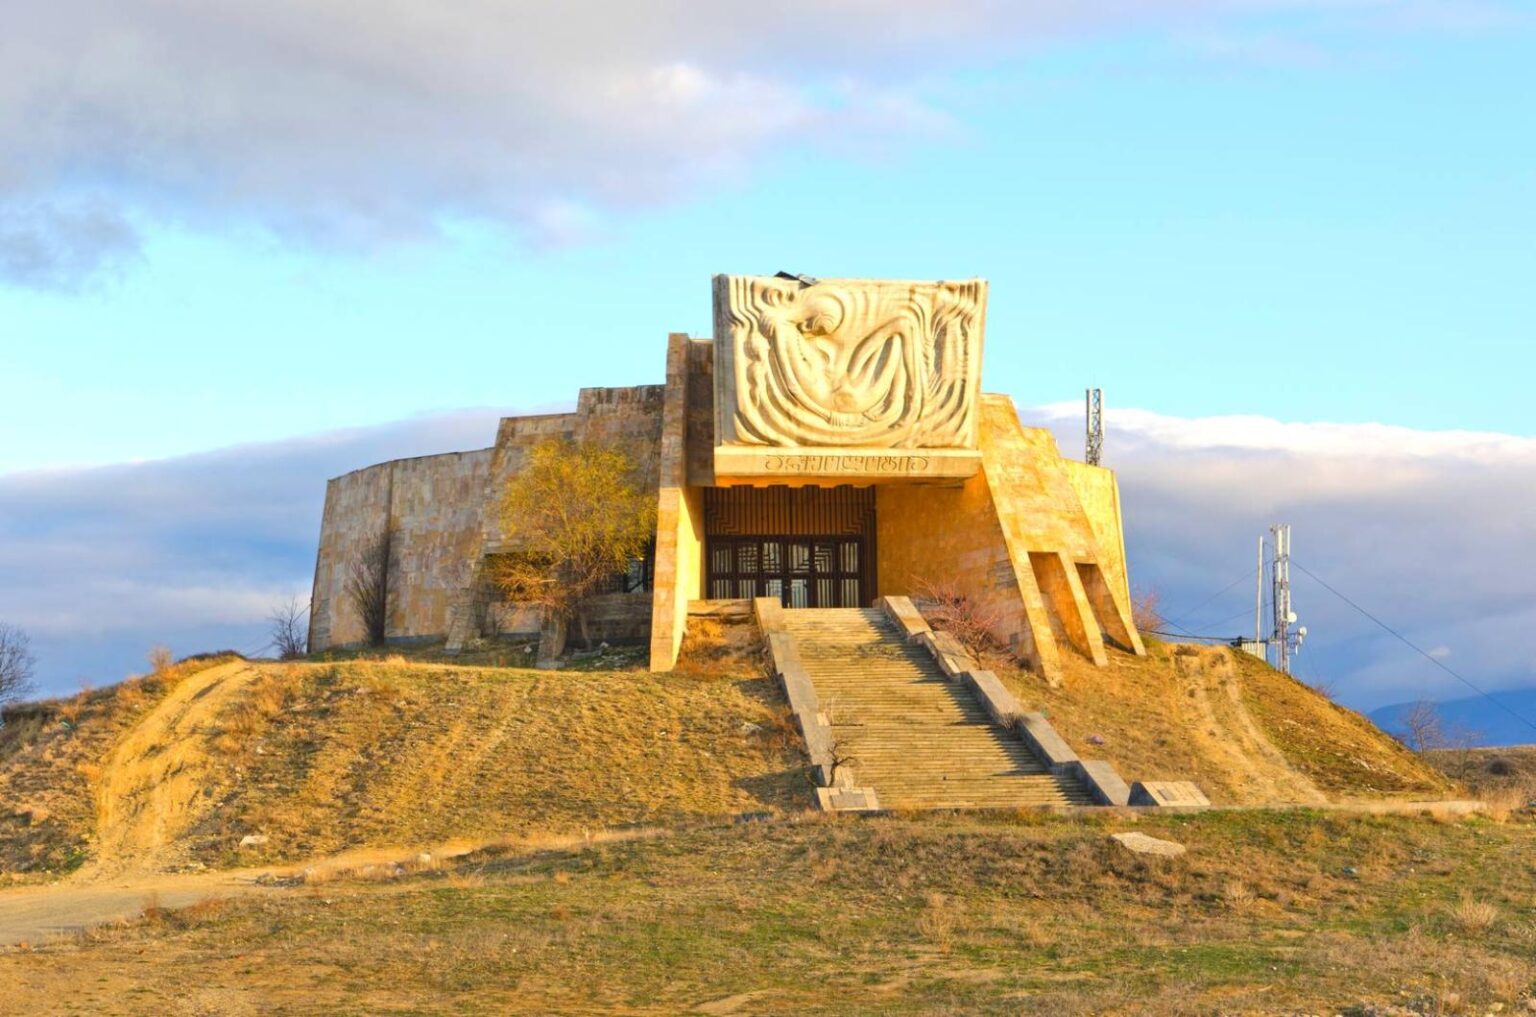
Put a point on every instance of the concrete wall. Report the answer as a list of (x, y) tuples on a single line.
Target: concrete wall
[(679, 518), (1021, 540), (947, 535)]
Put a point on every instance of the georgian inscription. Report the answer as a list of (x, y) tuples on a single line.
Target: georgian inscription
[(846, 464), (848, 363)]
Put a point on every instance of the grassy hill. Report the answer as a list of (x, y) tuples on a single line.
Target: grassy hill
[(178, 769), (310, 759)]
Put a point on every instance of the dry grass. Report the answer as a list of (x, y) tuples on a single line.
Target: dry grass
[(322, 758), (1473, 917), (1268, 913), (326, 758), (1241, 730)]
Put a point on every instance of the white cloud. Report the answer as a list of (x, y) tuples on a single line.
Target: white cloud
[(1428, 530), (346, 123)]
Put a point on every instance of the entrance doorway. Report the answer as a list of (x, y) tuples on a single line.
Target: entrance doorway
[(801, 572), (808, 546)]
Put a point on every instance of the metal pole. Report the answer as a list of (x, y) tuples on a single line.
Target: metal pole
[(1258, 599)]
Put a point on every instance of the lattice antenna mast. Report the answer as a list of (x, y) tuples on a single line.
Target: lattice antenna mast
[(1283, 640), (1095, 401)]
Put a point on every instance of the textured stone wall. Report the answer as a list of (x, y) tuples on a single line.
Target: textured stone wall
[(356, 512), (441, 513), (432, 508), (437, 517)]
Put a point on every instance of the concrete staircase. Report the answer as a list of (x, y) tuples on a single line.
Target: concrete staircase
[(920, 741)]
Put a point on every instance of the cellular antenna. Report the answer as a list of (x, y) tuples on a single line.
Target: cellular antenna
[(1095, 454), (1286, 638)]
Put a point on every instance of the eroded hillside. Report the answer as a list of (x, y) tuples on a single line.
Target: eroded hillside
[(1246, 733), (310, 759)]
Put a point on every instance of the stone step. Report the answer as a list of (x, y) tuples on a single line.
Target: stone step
[(918, 739)]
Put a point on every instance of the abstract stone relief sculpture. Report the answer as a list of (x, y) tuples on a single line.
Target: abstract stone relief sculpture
[(848, 363)]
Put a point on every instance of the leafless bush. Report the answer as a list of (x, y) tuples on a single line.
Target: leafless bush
[(948, 609), (1421, 725), (16, 664), (160, 659), (367, 586), (841, 757), (1146, 614), (290, 629)]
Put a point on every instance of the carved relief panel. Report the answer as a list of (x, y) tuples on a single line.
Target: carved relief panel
[(851, 370)]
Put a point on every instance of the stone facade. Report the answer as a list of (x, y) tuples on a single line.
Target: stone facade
[(439, 514), (806, 383)]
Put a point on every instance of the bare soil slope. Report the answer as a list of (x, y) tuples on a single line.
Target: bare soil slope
[(1247, 734), (52, 756), (313, 759)]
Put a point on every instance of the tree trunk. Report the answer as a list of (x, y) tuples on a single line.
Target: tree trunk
[(552, 638), (584, 627)]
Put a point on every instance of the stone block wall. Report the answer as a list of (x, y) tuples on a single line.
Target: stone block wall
[(441, 513), (432, 509)]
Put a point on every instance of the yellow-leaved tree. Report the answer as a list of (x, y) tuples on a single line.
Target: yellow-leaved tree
[(572, 519)]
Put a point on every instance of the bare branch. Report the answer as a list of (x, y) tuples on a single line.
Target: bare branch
[(289, 625), (16, 664), (367, 587), (950, 610)]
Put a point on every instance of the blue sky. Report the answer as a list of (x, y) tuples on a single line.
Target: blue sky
[(1314, 212), (236, 234)]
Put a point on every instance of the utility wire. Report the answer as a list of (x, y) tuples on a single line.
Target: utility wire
[(1181, 634), (1413, 646), (1242, 578)]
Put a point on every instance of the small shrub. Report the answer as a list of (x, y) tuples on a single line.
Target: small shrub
[(948, 609), (160, 659), (1472, 916), (1237, 895), (937, 922), (1145, 613)]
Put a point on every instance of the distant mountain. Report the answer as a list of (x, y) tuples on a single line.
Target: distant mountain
[(1484, 721)]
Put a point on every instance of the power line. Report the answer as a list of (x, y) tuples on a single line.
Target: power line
[(1240, 579), (1183, 634), (1414, 646)]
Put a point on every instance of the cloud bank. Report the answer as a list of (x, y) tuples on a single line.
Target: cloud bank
[(1430, 531), (353, 124)]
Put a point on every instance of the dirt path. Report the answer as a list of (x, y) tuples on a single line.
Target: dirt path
[(1223, 722), (33, 914), (152, 786)]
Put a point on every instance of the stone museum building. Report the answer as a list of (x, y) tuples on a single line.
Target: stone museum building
[(829, 445)]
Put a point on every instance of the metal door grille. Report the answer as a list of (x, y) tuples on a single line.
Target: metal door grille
[(801, 571)]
